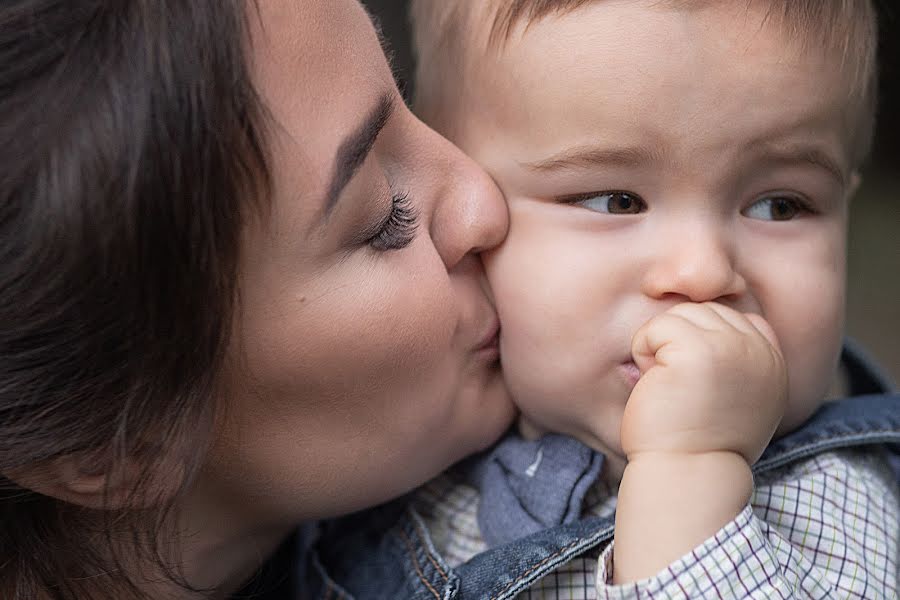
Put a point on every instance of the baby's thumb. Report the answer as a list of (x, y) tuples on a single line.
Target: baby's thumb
[(644, 348)]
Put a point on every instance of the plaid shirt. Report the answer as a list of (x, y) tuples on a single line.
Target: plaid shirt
[(827, 527)]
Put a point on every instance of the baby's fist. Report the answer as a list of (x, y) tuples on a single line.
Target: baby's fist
[(712, 380)]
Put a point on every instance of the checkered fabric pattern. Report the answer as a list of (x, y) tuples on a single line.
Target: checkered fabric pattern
[(824, 528)]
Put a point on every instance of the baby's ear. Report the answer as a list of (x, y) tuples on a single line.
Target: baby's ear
[(85, 481)]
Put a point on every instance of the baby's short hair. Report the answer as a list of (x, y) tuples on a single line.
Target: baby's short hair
[(447, 34)]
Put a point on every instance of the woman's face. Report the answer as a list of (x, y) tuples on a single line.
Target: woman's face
[(364, 356)]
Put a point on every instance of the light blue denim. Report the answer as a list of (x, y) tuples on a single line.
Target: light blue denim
[(387, 552)]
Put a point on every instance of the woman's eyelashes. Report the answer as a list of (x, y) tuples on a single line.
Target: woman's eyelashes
[(776, 207), (398, 229), (611, 202)]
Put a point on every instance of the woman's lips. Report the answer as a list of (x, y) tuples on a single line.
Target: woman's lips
[(630, 372)]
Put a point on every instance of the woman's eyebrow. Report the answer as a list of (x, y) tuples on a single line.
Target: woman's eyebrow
[(352, 152)]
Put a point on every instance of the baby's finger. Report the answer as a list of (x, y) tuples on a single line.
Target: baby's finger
[(735, 318), (700, 314), (763, 327), (748, 323), (655, 335)]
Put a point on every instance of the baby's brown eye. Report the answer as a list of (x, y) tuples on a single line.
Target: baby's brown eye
[(622, 203), (783, 209), (614, 203), (776, 208)]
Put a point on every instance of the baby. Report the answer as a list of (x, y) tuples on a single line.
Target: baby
[(671, 294), (678, 177)]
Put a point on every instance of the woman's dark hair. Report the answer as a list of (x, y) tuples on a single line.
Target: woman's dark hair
[(130, 154)]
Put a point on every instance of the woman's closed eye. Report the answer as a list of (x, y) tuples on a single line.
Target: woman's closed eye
[(611, 202), (398, 229), (777, 208)]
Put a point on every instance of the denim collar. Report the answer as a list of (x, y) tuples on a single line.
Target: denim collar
[(526, 486)]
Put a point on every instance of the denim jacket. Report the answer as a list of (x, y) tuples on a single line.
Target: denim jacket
[(388, 553)]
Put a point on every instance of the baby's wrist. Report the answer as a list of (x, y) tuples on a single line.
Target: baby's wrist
[(677, 501), (722, 478), (718, 441), (714, 461), (723, 475)]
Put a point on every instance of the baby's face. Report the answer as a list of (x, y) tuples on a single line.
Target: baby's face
[(652, 156)]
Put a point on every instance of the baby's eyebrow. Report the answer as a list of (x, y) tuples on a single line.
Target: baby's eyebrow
[(802, 155), (587, 157), (590, 157)]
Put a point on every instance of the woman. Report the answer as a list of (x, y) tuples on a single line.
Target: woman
[(239, 290)]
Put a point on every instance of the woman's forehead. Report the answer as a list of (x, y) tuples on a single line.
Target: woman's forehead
[(319, 69), (315, 48)]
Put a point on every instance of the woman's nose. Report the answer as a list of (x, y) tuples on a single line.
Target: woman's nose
[(470, 214), (696, 265)]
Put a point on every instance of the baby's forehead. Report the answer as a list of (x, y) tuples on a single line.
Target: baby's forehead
[(835, 22), (493, 47)]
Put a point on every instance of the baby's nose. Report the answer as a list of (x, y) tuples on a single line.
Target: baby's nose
[(697, 265)]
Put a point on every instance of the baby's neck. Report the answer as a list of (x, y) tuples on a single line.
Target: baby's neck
[(529, 430)]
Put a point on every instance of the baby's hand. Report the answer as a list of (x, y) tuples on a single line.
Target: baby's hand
[(712, 380)]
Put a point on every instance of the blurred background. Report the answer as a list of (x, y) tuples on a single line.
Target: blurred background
[(874, 257)]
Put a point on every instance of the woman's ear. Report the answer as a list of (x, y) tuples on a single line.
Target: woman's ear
[(85, 481)]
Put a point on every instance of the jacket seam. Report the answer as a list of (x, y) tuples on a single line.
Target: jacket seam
[(415, 559), (536, 567), (434, 563), (332, 589), (835, 443)]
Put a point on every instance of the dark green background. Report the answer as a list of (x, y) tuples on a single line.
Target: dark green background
[(874, 261)]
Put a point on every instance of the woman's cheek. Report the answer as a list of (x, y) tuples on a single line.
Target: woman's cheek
[(397, 326)]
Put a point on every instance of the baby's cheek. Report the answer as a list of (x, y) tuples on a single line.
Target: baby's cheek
[(811, 344), (526, 343)]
